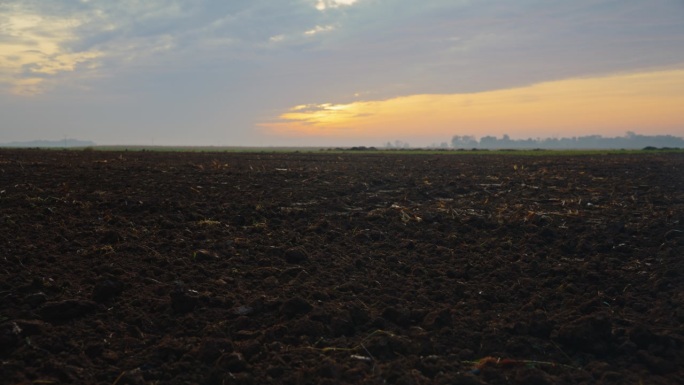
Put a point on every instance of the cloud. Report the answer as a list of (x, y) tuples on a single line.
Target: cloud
[(32, 49), (507, 44), (318, 29), (322, 5), (391, 48), (69, 37), (585, 105), (405, 47)]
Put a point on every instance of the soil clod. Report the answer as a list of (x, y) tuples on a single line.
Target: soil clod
[(62, 311), (107, 289), (295, 306), (296, 255)]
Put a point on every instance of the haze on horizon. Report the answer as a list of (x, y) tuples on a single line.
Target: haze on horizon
[(338, 72)]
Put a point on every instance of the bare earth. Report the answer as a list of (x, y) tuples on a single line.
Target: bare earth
[(218, 268)]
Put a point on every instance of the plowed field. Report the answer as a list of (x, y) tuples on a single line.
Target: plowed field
[(295, 268)]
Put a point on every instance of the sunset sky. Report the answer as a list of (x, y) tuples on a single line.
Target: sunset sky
[(338, 72)]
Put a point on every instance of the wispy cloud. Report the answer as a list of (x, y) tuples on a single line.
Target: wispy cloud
[(322, 5), (44, 42), (40, 41), (403, 46), (34, 47), (318, 29)]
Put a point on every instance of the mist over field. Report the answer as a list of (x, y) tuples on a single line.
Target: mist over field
[(458, 142), (629, 141)]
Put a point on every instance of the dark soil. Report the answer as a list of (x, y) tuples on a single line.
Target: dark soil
[(219, 268)]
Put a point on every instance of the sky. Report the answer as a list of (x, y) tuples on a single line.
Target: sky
[(338, 72)]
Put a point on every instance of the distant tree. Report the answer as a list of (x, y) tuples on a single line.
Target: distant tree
[(630, 140), (465, 141), (488, 142)]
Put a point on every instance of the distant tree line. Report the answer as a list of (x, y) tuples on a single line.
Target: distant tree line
[(630, 141), (398, 144)]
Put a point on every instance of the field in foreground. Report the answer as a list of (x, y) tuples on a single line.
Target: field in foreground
[(219, 268)]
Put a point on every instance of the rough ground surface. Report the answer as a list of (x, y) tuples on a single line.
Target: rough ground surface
[(142, 268)]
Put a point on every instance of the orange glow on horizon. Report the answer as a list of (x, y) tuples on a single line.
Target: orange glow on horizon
[(643, 102)]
